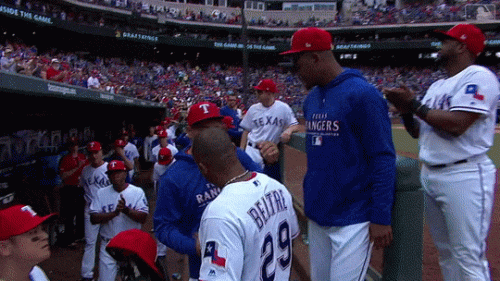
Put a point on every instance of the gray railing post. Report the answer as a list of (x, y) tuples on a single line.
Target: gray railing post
[(403, 259)]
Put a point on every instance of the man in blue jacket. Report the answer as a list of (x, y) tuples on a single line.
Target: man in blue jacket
[(350, 179), (184, 193)]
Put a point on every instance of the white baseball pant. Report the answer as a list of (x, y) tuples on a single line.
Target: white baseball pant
[(459, 202), (91, 234), (339, 253), (108, 268)]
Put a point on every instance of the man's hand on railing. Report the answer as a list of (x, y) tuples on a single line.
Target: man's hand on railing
[(269, 152)]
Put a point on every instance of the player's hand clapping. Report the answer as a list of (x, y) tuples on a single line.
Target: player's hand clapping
[(400, 97), (122, 205)]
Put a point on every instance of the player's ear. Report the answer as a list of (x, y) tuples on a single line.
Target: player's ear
[(203, 168), (6, 247)]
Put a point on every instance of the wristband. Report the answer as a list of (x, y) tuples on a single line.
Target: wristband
[(420, 109)]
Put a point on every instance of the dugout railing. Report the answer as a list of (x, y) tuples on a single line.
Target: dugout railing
[(403, 259)]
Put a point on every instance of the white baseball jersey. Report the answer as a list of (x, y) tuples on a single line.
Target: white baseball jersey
[(37, 274), (92, 179), (267, 123), (171, 132), (106, 201), (159, 170), (246, 232), (148, 146), (474, 89), (131, 153), (156, 151)]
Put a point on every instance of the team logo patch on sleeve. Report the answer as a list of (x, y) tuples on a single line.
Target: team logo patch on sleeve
[(474, 90), (216, 254)]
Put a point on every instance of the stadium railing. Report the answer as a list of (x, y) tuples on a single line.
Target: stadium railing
[(403, 259)]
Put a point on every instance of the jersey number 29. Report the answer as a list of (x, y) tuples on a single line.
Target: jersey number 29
[(267, 251)]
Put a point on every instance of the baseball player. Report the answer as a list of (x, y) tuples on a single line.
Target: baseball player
[(23, 244), (269, 120), (148, 145), (231, 110), (351, 168), (184, 192), (455, 125), (119, 154), (165, 160), (163, 137), (131, 152), (117, 207), (92, 179), (246, 233)]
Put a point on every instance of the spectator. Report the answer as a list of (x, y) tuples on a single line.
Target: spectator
[(8, 61), (93, 81), (55, 73)]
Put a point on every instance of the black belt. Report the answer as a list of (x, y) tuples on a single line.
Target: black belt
[(447, 165), (254, 145)]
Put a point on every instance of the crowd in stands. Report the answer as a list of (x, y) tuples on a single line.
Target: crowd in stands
[(182, 82), (357, 14)]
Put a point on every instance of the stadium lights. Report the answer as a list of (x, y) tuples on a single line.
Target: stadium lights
[(497, 54)]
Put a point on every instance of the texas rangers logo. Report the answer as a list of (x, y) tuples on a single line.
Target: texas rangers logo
[(213, 251), (28, 209), (474, 90), (205, 108)]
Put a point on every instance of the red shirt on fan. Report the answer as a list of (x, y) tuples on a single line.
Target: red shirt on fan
[(51, 72), (68, 163)]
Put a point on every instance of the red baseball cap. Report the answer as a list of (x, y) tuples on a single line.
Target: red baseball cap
[(468, 34), (162, 134), (266, 85), (134, 242), (203, 111), (165, 156), (116, 165), (19, 219), (159, 128), (120, 143), (93, 146), (228, 121), (310, 39)]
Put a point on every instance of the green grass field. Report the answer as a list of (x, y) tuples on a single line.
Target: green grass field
[(407, 146)]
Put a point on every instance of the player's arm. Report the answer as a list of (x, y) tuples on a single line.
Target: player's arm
[(121, 153), (285, 136), (411, 124), (244, 139), (168, 217), (222, 251), (453, 122), (138, 213), (99, 218), (375, 136)]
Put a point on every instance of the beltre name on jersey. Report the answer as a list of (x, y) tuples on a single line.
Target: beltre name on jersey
[(268, 205)]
